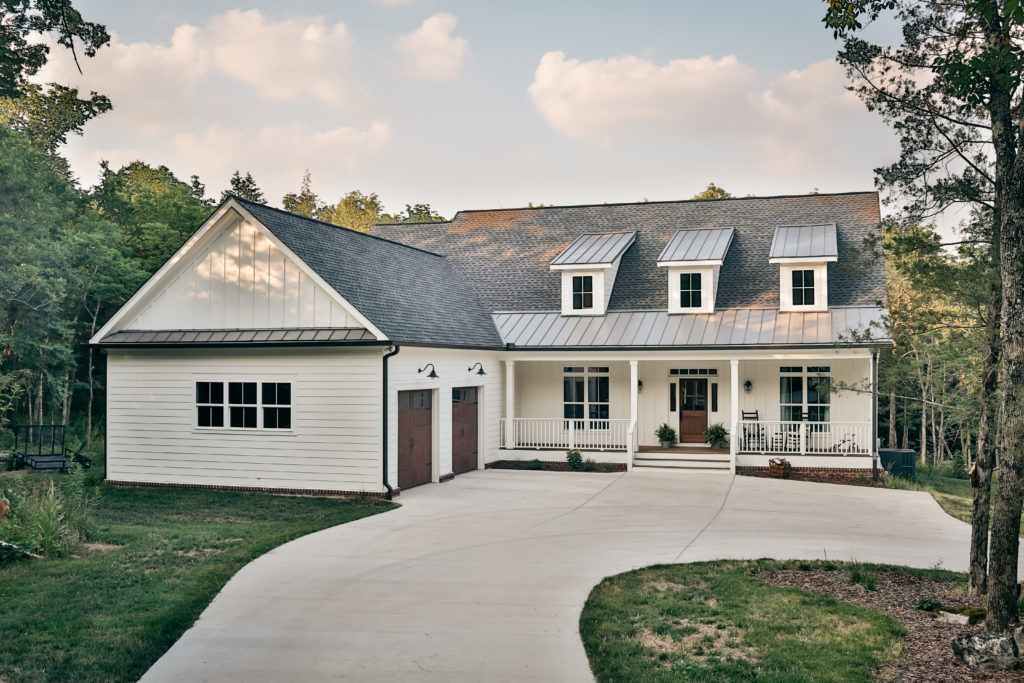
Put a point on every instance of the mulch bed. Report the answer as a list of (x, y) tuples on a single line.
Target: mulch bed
[(552, 466), (927, 655)]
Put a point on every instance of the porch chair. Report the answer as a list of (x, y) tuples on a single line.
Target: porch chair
[(753, 435)]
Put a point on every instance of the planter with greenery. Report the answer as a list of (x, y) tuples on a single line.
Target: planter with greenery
[(716, 436), (779, 468), (666, 435)]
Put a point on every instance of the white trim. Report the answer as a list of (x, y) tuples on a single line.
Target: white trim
[(809, 260), (708, 287), (205, 232), (583, 266), (690, 264), (786, 304)]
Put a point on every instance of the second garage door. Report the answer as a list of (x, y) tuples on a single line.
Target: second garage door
[(415, 438), (465, 420)]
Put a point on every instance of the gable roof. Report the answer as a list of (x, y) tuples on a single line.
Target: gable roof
[(595, 249), (504, 254), (805, 241), (411, 295), (697, 245)]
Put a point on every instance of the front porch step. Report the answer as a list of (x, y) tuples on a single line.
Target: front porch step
[(676, 462), (682, 467), (706, 456)]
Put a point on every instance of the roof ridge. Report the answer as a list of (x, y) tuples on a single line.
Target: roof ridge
[(663, 201), (246, 202)]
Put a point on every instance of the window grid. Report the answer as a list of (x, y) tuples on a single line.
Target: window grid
[(689, 290), (586, 396), (803, 287), (582, 292), (805, 394), (248, 405)]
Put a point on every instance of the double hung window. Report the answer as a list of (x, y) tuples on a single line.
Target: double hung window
[(585, 396), (244, 405)]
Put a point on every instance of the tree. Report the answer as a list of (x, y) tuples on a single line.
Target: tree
[(244, 187), (155, 209), (355, 210), (414, 213), (712, 191), (305, 203), (21, 56), (48, 116), (953, 92)]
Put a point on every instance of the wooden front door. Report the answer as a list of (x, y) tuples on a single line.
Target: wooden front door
[(693, 410), (465, 433), (415, 438)]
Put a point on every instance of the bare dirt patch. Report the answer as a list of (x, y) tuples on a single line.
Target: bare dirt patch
[(697, 641), (100, 547), (927, 655)]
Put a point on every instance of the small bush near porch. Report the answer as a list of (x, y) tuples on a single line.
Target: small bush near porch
[(110, 608)]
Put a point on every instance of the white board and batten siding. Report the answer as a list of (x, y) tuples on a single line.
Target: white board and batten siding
[(451, 366), (240, 280), (334, 443)]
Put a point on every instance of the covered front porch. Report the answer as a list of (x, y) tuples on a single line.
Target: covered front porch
[(771, 404)]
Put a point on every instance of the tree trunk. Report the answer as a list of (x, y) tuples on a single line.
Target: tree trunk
[(924, 423), (984, 460), (92, 391), (892, 419), (1007, 135)]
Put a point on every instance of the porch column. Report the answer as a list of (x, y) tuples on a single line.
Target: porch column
[(633, 402), (734, 408), (510, 403)]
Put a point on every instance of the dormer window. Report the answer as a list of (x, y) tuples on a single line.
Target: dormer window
[(588, 267), (803, 253), (803, 287), (582, 292), (689, 290), (693, 258)]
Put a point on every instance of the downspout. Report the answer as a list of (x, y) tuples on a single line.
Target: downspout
[(874, 414), (384, 440)]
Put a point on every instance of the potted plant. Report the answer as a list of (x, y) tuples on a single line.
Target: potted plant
[(715, 435), (666, 435), (779, 468)]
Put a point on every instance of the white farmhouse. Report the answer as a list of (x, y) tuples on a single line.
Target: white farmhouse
[(278, 352)]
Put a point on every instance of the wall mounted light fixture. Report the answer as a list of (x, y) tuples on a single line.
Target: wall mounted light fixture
[(432, 375), (639, 385), (480, 371), (747, 386)]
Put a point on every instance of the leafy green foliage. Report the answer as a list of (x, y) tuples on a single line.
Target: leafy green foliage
[(665, 433), (716, 435), (929, 605), (305, 202), (712, 191), (575, 460), (49, 516), (244, 187), (355, 210)]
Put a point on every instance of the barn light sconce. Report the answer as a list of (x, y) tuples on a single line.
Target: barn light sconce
[(432, 375), (480, 371), (639, 385), (747, 386)]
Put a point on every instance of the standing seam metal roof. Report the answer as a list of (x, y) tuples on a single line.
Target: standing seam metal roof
[(595, 249), (698, 245), (805, 241)]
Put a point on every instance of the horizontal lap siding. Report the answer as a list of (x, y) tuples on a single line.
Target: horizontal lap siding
[(335, 443)]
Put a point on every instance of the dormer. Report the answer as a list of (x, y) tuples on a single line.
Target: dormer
[(589, 266), (692, 259), (803, 253)]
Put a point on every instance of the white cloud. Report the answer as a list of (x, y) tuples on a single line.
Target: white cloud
[(599, 100), (431, 51)]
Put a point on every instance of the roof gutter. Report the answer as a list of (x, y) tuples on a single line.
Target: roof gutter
[(384, 417)]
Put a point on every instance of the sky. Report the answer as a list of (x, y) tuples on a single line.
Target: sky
[(468, 104)]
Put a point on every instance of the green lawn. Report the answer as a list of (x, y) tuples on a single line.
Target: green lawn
[(955, 496), (712, 621), (108, 615)]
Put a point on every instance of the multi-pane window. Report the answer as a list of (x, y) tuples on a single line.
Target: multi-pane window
[(689, 290), (210, 404), (277, 402), (249, 405), (582, 292), (803, 287), (805, 394), (585, 394)]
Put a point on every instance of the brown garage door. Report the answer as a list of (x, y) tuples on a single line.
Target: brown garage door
[(465, 418), (414, 438)]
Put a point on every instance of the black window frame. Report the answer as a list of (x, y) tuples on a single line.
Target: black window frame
[(690, 290), (582, 292), (245, 405), (803, 286)]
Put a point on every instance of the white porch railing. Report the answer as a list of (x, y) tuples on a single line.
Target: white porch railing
[(804, 438), (562, 433)]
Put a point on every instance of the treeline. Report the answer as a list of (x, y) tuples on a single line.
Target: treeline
[(72, 256)]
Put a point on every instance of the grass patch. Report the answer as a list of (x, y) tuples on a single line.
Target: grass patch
[(713, 621), (157, 558), (954, 496)]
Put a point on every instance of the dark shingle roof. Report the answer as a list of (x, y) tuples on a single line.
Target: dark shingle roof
[(411, 295), (505, 254)]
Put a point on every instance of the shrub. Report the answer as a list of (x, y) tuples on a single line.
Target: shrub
[(715, 435), (866, 579), (665, 433), (589, 465), (535, 464), (929, 605), (49, 518), (575, 460)]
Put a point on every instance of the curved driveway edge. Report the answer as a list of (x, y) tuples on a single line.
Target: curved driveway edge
[(484, 577)]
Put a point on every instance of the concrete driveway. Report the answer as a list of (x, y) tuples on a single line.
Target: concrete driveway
[(483, 578)]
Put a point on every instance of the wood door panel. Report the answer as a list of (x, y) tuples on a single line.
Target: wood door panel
[(693, 409), (415, 438), (465, 429)]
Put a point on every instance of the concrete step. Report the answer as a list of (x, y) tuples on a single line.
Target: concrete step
[(690, 467), (675, 455), (682, 463)]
